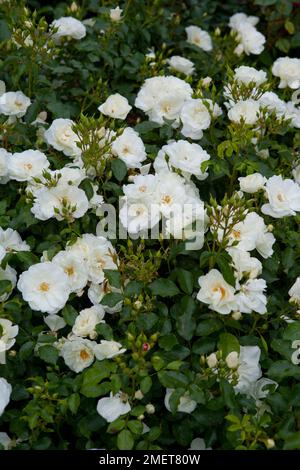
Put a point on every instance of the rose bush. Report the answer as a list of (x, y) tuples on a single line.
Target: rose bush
[(149, 225)]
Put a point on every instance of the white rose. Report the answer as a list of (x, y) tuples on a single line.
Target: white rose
[(244, 263), (181, 64), (14, 103), (251, 297), (115, 13), (5, 392), (271, 102), (60, 202), (216, 292), (11, 241), (74, 268), (283, 196), (252, 183), (114, 406), (246, 75), (108, 349), (288, 70), (163, 97), (199, 38), (195, 117), (186, 404), (45, 287), (78, 353), (130, 148), (238, 20), (87, 321), (250, 40), (68, 26), (249, 370), (116, 106), (184, 156), (26, 165), (61, 136), (246, 110)]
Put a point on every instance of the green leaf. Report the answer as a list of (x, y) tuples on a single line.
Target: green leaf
[(164, 288), (5, 287), (133, 288), (112, 299), (93, 377), (104, 330), (48, 354), (185, 280), (186, 324), (228, 343), (228, 393), (69, 314), (226, 270), (146, 384), (171, 379), (135, 427), (119, 169), (87, 187), (74, 402), (113, 276), (125, 440), (209, 326), (197, 394), (283, 369), (116, 426), (26, 258), (167, 342), (292, 331), (146, 126), (292, 442)]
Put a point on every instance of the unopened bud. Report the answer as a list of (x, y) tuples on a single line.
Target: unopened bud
[(212, 360), (150, 409), (139, 395), (236, 315), (232, 360), (270, 443)]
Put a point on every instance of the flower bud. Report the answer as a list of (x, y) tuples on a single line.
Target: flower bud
[(139, 395), (150, 409), (212, 360), (236, 315), (270, 443), (232, 360)]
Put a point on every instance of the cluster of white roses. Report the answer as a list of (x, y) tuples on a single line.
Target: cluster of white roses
[(243, 370), (165, 195), (250, 40), (256, 102), (248, 293), (170, 98)]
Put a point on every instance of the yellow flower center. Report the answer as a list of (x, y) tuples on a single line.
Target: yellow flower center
[(220, 290), (44, 286), (84, 355), (69, 270), (166, 199)]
